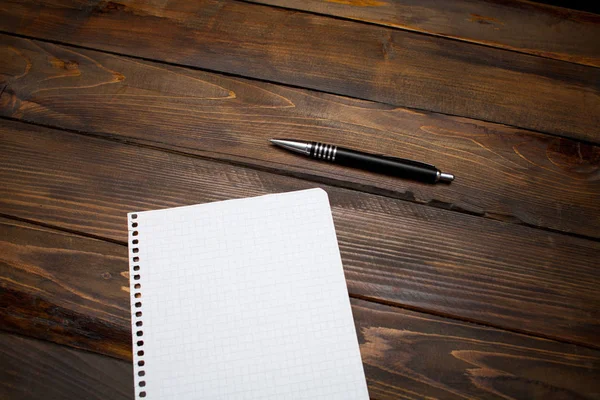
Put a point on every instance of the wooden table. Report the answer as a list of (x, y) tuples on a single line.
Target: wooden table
[(485, 288)]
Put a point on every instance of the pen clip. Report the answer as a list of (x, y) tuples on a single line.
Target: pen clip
[(410, 162)]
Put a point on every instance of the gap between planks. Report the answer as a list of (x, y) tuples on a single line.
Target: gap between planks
[(316, 90), (353, 296), (415, 31), (172, 149)]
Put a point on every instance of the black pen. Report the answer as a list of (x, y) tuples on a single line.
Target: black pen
[(357, 159)]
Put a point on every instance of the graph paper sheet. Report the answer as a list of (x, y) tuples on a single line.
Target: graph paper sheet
[(242, 299)]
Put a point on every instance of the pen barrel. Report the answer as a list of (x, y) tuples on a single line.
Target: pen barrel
[(386, 165)]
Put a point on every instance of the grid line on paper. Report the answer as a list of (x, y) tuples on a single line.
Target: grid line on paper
[(246, 299)]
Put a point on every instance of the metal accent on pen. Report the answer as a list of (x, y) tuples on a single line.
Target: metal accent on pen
[(357, 159)]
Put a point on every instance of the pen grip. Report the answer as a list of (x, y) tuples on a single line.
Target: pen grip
[(386, 165)]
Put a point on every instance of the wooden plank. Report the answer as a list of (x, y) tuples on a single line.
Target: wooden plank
[(46, 279), (434, 357), (406, 354), (517, 25), (32, 369), (394, 251), (502, 173), (344, 57)]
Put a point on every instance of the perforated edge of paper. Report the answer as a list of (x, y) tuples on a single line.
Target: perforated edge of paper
[(137, 309)]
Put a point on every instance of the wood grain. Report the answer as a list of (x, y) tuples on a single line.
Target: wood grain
[(502, 173), (46, 278), (65, 288), (517, 25), (33, 369), (405, 354), (404, 347), (452, 264), (344, 57)]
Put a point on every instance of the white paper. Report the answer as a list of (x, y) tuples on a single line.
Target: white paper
[(242, 299)]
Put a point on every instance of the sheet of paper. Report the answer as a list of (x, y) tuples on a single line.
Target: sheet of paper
[(242, 299)]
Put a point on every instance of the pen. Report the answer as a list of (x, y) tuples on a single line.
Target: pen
[(357, 159)]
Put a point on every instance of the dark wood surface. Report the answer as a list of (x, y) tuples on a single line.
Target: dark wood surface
[(34, 369), (485, 288), (403, 351), (581, 5), (331, 55), (504, 173), (479, 269), (509, 24)]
